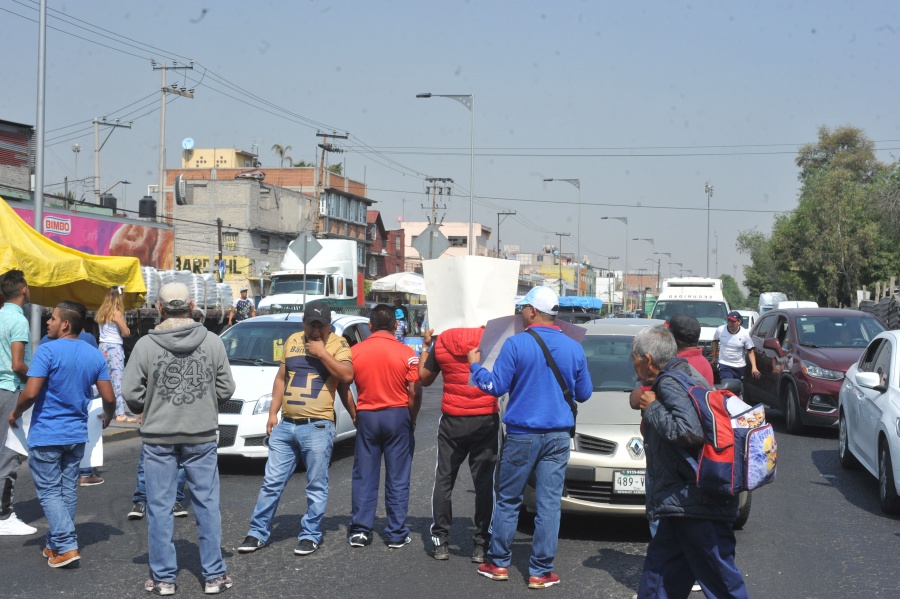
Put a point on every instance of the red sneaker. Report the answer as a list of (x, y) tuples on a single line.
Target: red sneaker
[(494, 572), (542, 582)]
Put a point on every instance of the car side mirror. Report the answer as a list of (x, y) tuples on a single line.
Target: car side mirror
[(773, 345), (870, 380)]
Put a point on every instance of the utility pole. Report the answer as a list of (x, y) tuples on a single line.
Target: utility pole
[(163, 90), (708, 189), (499, 214), (438, 184), (219, 235), (320, 184), (98, 146), (716, 272), (559, 259), (609, 260)]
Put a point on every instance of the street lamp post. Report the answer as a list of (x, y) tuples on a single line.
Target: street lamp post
[(680, 268), (559, 259), (577, 184), (609, 260), (659, 269), (652, 244), (709, 193), (624, 219), (467, 100)]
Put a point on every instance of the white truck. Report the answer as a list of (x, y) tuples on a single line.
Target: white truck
[(699, 297), (769, 300), (330, 275)]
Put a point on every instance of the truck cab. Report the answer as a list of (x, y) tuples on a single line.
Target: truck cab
[(699, 297)]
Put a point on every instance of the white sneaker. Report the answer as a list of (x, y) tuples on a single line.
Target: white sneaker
[(696, 588), (13, 526)]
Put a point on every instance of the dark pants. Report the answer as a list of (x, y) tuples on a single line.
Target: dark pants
[(460, 437), (9, 459), (380, 433), (731, 372), (687, 549)]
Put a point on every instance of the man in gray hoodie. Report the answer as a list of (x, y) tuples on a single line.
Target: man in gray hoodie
[(177, 377)]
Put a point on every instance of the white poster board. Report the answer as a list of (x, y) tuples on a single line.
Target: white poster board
[(468, 291), (17, 438)]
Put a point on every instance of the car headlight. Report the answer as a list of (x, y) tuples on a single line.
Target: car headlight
[(817, 372), (262, 404), (897, 426)]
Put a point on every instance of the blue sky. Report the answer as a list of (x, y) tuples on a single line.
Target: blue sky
[(642, 101)]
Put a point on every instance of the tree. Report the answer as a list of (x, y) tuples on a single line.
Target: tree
[(282, 153), (303, 163), (733, 294), (844, 148), (337, 169)]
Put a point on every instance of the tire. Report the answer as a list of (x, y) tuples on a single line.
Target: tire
[(846, 457), (792, 421), (743, 512), (887, 490)]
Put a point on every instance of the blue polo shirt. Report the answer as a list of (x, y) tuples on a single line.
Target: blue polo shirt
[(13, 327), (69, 367)]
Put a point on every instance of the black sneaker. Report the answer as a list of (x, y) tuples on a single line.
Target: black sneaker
[(305, 547), (399, 544), (179, 510), (478, 554), (359, 539), (250, 544), (137, 512), (441, 552)]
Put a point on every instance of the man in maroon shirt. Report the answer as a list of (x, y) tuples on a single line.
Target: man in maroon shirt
[(686, 330)]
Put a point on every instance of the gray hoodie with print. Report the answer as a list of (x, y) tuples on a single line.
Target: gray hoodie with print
[(176, 377)]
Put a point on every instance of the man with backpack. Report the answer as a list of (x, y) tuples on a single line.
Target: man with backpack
[(695, 539)]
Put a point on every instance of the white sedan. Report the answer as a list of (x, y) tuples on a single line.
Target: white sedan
[(869, 417), (254, 349)]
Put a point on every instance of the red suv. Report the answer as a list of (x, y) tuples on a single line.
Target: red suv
[(802, 355)]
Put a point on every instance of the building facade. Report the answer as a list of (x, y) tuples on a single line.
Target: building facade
[(456, 233)]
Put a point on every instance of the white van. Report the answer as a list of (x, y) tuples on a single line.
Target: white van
[(699, 297), (795, 304), (768, 300), (748, 318)]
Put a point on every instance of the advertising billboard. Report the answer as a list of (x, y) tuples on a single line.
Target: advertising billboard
[(152, 245)]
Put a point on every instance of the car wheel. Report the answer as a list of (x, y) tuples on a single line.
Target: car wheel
[(743, 510), (887, 490), (792, 421), (846, 457)]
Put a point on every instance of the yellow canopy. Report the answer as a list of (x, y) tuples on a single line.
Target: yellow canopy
[(57, 273)]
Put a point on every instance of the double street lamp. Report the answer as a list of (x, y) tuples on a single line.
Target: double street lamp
[(577, 184), (467, 100), (624, 219), (609, 306), (708, 189)]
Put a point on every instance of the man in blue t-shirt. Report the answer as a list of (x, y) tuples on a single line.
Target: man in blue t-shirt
[(59, 387)]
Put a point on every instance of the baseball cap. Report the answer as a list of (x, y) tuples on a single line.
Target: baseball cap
[(542, 299), (245, 288), (734, 315), (685, 328), (175, 296), (317, 312)]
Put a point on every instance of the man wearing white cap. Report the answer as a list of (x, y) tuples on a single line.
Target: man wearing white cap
[(241, 309), (539, 419)]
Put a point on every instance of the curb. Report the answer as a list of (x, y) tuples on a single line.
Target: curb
[(115, 432)]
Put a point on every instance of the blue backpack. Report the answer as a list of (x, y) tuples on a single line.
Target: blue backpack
[(739, 450)]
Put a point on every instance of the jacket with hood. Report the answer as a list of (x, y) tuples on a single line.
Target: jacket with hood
[(671, 422), (176, 377), (451, 351)]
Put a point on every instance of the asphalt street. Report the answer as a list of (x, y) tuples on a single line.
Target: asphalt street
[(817, 532)]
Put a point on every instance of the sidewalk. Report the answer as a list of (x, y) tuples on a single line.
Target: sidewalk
[(120, 431)]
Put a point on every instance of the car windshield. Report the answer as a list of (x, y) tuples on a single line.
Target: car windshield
[(837, 331), (258, 343), (709, 314), (315, 284), (609, 362)]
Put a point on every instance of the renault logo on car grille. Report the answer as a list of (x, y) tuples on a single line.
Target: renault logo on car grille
[(636, 447)]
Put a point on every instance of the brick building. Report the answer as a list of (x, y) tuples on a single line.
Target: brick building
[(387, 249)]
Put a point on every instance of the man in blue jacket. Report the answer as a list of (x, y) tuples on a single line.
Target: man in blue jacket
[(538, 422), (695, 538)]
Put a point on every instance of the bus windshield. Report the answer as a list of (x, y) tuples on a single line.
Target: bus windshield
[(709, 314)]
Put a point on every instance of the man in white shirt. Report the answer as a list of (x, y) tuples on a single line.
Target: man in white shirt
[(730, 347)]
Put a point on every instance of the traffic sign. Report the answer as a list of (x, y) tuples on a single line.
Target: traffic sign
[(431, 243), (305, 247)]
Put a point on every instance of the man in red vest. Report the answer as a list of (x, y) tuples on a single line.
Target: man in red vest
[(468, 428)]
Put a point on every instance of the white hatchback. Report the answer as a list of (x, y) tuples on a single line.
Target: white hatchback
[(254, 349)]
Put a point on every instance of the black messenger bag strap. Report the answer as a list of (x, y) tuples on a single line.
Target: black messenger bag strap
[(567, 394)]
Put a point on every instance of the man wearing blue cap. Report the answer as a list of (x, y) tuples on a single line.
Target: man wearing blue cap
[(539, 419), (730, 345)]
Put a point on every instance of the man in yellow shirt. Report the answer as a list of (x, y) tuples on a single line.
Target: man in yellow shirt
[(313, 364)]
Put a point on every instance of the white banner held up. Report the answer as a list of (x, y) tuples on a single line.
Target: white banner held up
[(468, 291)]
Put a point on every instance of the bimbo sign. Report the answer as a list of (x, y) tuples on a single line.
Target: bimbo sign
[(60, 226)]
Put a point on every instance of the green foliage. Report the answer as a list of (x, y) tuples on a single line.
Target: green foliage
[(733, 294), (337, 169), (282, 153), (303, 163)]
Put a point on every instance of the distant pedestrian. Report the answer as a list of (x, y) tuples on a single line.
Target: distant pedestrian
[(539, 417), (694, 539), (387, 379), (242, 308), (59, 386), (467, 430), (111, 319), (314, 363), (178, 377), (731, 348), (401, 313), (15, 356)]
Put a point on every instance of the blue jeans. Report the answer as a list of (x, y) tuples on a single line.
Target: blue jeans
[(54, 470), (545, 454), (289, 443), (386, 433), (140, 487), (202, 470)]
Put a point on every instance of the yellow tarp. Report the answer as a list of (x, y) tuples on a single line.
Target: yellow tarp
[(57, 273)]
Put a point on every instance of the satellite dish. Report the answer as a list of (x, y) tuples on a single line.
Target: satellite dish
[(187, 143)]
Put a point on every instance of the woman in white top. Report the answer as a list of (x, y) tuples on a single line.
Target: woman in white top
[(111, 318)]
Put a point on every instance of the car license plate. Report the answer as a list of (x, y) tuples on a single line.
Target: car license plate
[(629, 482)]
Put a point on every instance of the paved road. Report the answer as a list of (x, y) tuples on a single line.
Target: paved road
[(816, 533)]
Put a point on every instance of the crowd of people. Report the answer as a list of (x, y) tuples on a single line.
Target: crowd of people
[(178, 375)]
